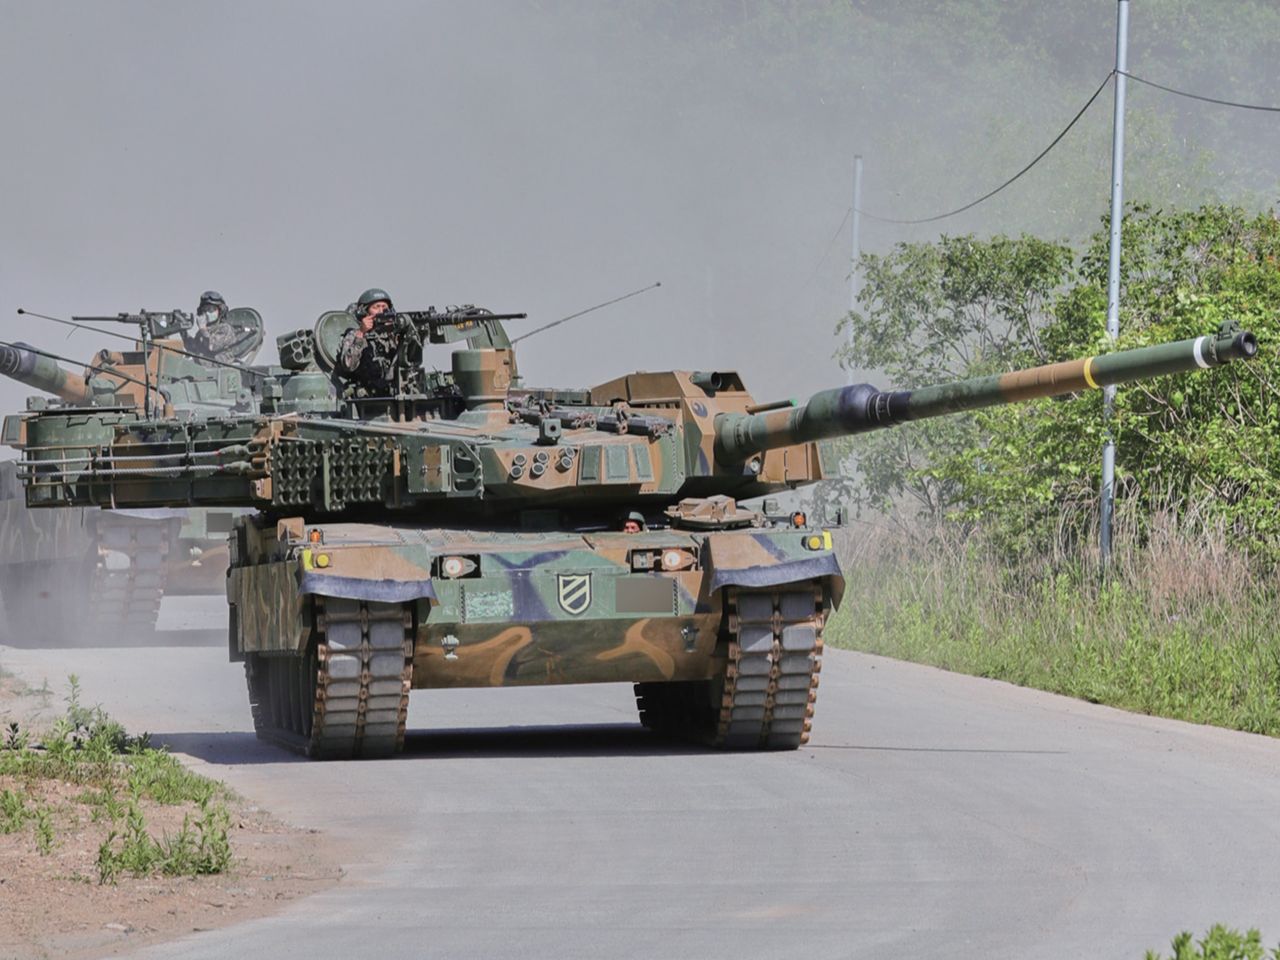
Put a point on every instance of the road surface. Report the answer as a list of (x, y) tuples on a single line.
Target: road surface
[(932, 815)]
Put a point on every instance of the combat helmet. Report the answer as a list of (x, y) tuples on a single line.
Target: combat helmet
[(370, 297), (212, 298)]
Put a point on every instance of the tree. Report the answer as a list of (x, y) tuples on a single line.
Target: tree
[(1208, 441)]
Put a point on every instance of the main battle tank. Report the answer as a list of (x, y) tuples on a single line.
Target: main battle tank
[(96, 574), (460, 531)]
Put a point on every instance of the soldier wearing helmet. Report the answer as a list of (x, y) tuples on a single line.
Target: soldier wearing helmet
[(226, 336), (367, 352)]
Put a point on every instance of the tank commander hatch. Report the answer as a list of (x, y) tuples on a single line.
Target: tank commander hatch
[(367, 352), (226, 336)]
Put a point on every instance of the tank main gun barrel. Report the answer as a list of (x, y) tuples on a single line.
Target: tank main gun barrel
[(861, 408), (22, 363)]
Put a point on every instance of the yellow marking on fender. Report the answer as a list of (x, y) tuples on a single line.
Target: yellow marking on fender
[(306, 560), (826, 539), (1088, 373)]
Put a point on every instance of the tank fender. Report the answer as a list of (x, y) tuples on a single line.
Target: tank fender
[(360, 588), (756, 559)]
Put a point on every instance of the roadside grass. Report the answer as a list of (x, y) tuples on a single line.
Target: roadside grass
[(121, 777), (1183, 627)]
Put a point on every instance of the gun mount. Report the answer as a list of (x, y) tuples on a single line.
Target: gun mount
[(427, 539)]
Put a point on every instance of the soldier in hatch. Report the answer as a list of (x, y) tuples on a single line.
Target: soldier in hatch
[(367, 352), (227, 339)]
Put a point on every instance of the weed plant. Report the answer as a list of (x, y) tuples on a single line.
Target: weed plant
[(1183, 625), (86, 747), (200, 847)]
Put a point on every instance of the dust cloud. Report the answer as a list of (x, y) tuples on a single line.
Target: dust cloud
[(538, 156)]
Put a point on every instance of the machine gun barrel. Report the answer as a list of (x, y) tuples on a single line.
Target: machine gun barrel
[(861, 408), (21, 362), (133, 318)]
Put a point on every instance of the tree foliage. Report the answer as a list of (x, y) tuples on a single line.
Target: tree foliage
[(964, 306)]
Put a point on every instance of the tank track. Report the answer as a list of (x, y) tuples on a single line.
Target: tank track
[(347, 695), (129, 598), (765, 698)]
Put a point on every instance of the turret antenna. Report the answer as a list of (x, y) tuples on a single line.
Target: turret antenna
[(580, 313)]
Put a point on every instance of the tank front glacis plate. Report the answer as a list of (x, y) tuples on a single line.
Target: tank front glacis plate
[(504, 608), (567, 609)]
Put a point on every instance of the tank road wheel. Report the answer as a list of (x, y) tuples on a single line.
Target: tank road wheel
[(765, 698), (348, 694)]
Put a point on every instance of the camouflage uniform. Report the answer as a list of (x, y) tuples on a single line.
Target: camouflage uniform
[(228, 336), (369, 360), (219, 341)]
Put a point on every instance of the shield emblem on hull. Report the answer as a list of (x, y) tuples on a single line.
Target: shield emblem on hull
[(573, 590)]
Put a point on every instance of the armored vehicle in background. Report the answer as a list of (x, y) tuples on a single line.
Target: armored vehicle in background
[(458, 531), (95, 574)]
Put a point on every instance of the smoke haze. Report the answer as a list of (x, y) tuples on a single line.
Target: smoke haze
[(546, 156)]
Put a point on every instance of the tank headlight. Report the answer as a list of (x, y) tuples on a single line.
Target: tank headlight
[(818, 541), (669, 560), (453, 567), (676, 559)]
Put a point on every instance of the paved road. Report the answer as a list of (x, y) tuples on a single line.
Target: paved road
[(932, 816)]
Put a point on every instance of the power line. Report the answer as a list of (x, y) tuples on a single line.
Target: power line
[(831, 243), (987, 196), (1201, 97)]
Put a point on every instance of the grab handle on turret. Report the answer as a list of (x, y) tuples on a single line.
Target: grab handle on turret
[(861, 408)]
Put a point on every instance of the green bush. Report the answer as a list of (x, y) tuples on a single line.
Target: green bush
[(1220, 943)]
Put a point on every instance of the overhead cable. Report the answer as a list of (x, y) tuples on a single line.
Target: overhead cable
[(1197, 96), (831, 243), (987, 196)]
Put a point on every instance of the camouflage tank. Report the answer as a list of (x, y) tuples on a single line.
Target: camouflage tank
[(61, 571), (459, 531)]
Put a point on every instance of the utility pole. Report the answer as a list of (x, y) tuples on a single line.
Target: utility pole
[(855, 284), (1113, 277)]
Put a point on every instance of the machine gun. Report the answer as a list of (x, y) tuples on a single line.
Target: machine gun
[(153, 324), (242, 326), (469, 322)]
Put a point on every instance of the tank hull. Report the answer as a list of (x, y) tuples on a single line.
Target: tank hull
[(88, 576), (378, 610)]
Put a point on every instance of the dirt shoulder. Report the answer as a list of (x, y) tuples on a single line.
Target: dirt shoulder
[(54, 898)]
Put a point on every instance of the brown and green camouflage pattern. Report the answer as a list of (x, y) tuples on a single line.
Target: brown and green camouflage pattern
[(531, 608)]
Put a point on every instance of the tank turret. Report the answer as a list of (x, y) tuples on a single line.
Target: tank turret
[(451, 529)]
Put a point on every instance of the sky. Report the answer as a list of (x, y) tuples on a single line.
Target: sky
[(512, 155)]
